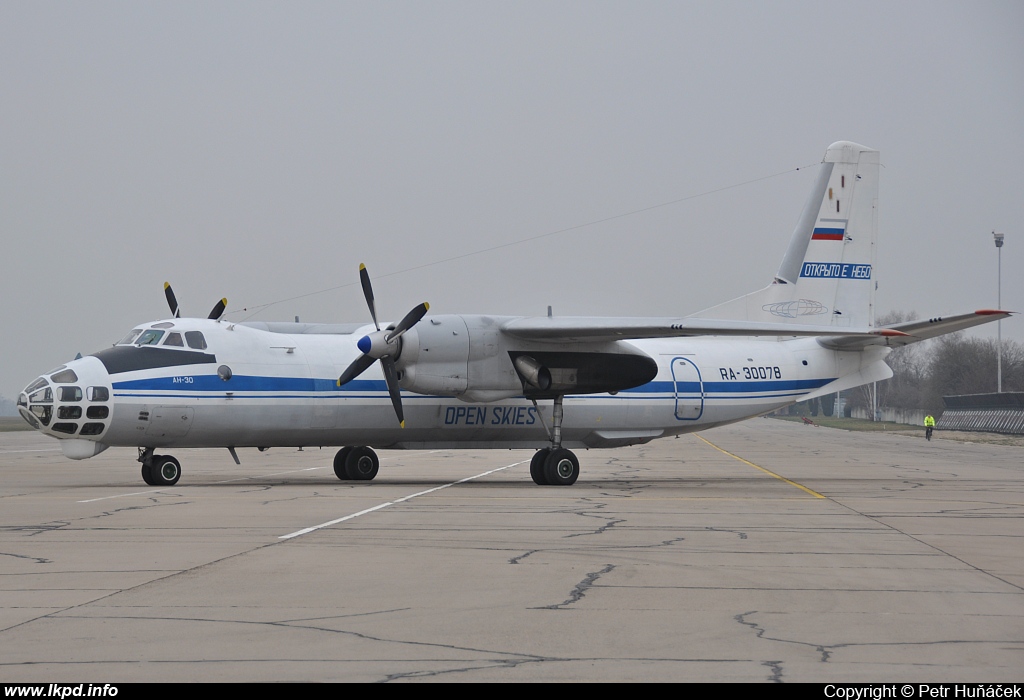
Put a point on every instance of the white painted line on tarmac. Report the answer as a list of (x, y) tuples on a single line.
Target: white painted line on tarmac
[(403, 499)]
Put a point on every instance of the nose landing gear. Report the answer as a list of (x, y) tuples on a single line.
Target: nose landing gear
[(159, 470)]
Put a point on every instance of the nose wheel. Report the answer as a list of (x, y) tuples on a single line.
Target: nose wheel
[(159, 470)]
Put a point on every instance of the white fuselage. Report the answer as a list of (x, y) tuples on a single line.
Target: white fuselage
[(281, 389)]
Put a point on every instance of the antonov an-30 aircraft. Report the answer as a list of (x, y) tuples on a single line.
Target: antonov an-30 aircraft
[(476, 381)]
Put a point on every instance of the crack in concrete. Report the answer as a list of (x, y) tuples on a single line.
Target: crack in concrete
[(580, 590), (739, 533), (826, 651), (611, 522), (37, 560), (520, 557), (761, 633), (38, 529), (776, 669)]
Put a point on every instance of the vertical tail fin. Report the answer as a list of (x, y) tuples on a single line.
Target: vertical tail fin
[(826, 277)]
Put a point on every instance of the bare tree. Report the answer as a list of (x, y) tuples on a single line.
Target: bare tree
[(958, 364)]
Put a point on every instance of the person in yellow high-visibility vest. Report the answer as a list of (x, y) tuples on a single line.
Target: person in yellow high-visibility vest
[(929, 426)]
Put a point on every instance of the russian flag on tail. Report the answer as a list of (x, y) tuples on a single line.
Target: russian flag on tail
[(828, 234)]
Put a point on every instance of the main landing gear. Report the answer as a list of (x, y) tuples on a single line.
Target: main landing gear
[(356, 464), (159, 470), (555, 465)]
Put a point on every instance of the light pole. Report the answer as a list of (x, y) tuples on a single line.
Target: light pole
[(999, 305)]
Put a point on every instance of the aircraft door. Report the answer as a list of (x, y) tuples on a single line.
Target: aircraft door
[(689, 389)]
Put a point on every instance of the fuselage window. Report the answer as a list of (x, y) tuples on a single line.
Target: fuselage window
[(91, 429), (97, 393), (174, 339), (70, 393), (130, 338), (150, 337), (195, 340), (44, 413), (42, 396), (97, 412), (69, 412), (68, 428), (66, 377)]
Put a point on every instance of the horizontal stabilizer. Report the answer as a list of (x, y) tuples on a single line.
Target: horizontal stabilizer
[(900, 334)]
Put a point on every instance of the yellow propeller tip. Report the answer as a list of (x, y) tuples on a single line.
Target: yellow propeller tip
[(166, 285), (362, 266), (426, 306), (224, 301), (402, 424)]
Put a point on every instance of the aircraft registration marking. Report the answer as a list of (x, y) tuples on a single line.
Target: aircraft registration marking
[(765, 372)]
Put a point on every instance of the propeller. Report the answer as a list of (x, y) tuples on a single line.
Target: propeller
[(172, 301), (218, 309), (382, 345)]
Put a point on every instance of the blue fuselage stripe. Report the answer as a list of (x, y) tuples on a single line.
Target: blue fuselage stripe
[(207, 386)]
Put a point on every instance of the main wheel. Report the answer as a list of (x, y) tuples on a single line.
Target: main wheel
[(361, 464), (537, 467), (561, 468), (166, 470), (339, 463), (147, 474)]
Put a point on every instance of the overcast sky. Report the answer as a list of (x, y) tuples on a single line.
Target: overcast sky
[(261, 151)]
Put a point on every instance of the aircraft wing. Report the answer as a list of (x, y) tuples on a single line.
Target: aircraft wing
[(900, 334), (562, 329)]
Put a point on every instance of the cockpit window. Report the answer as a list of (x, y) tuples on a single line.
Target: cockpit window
[(130, 338), (37, 384), (66, 377), (175, 340), (150, 337), (195, 340)]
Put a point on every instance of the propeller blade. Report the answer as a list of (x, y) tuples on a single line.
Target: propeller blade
[(396, 398), (218, 310), (410, 320), (364, 279), (172, 301), (360, 365)]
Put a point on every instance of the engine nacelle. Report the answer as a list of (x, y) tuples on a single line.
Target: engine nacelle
[(446, 355), (435, 357)]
